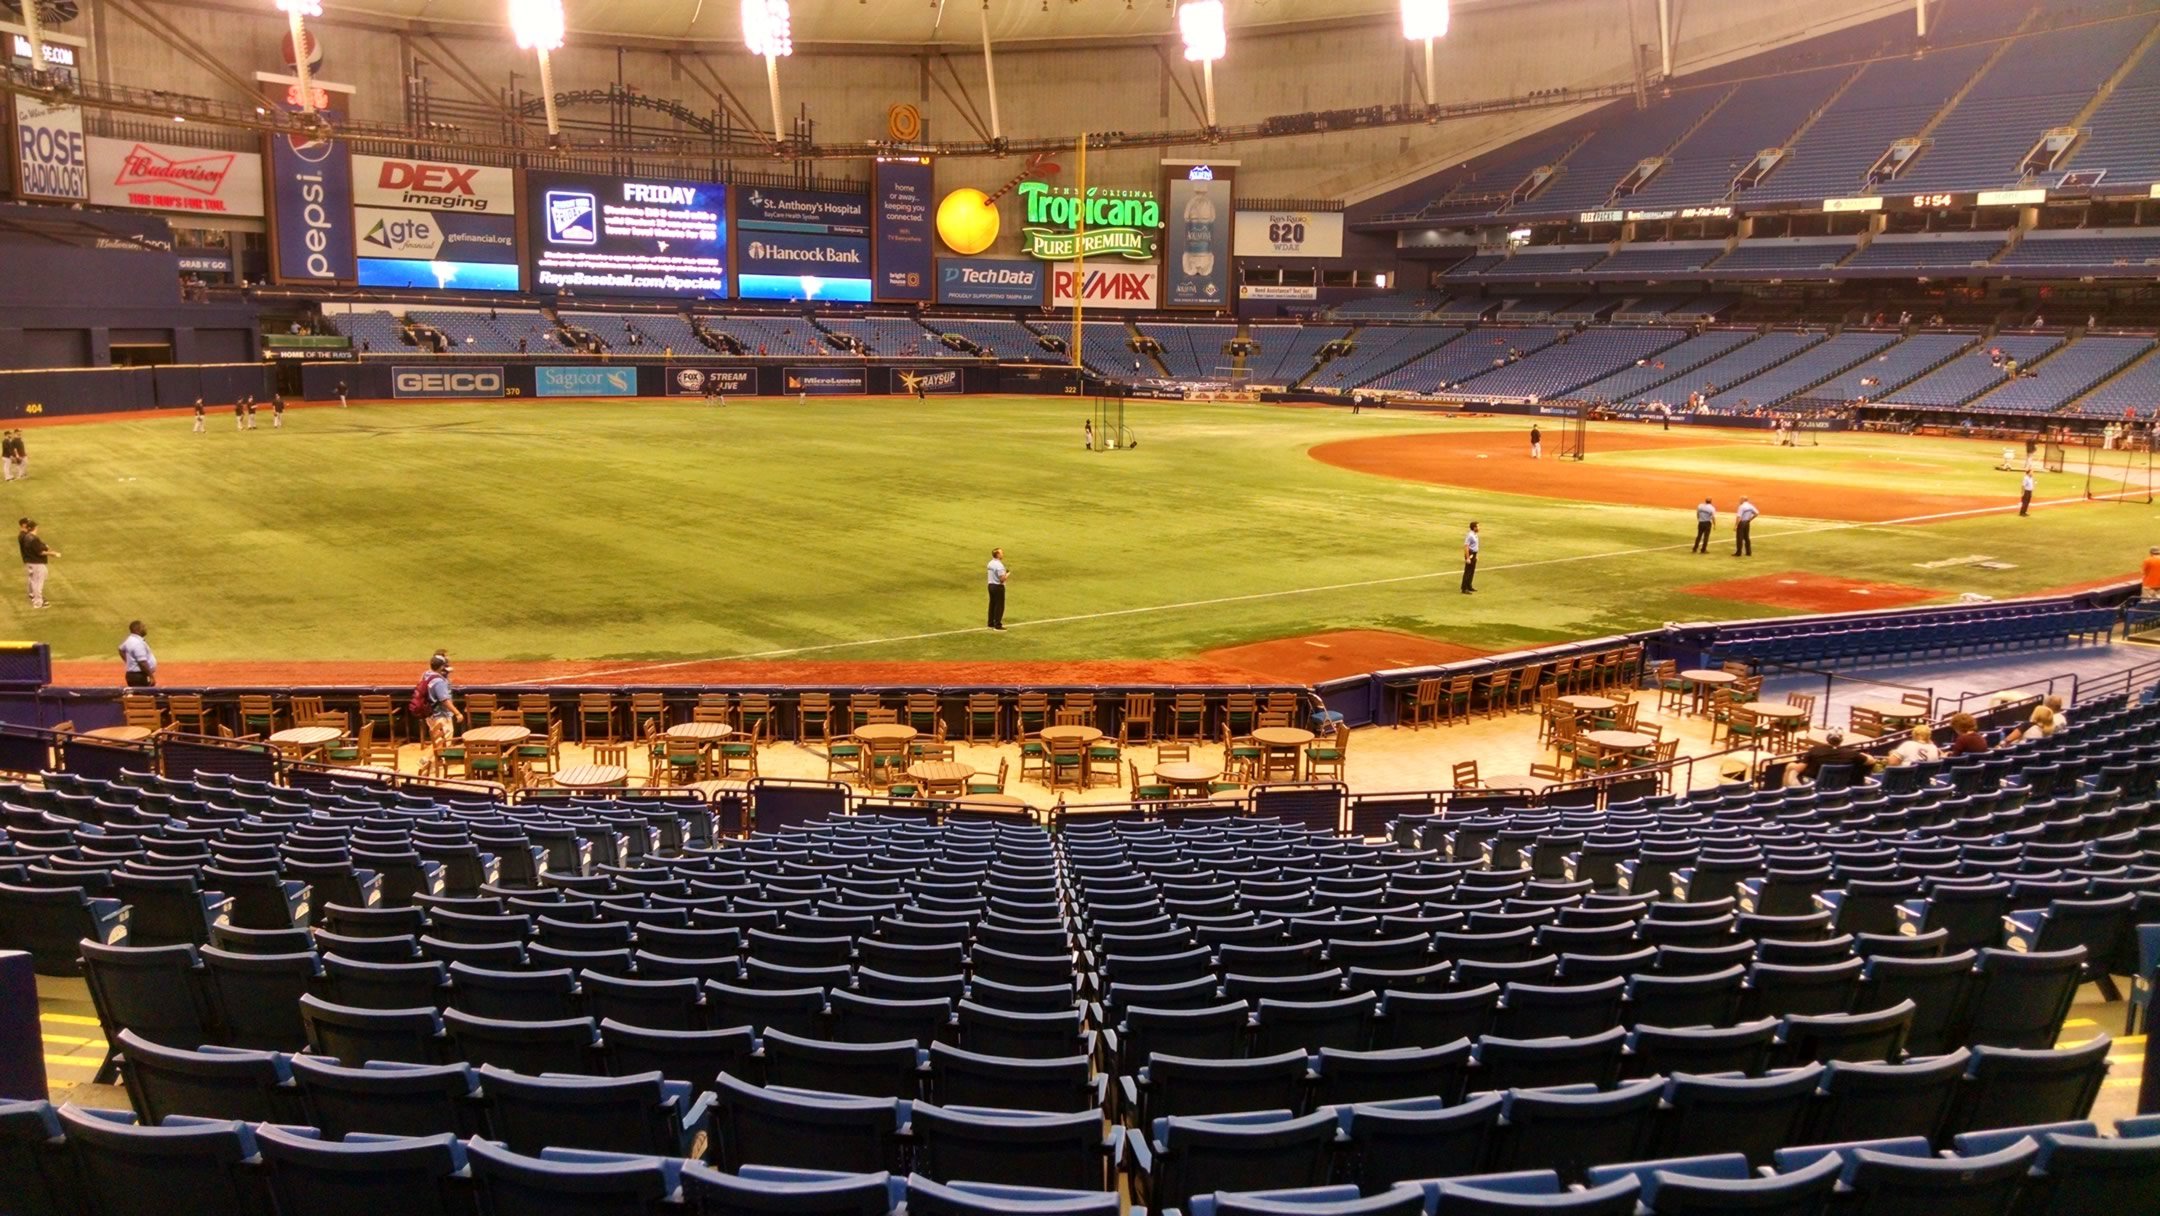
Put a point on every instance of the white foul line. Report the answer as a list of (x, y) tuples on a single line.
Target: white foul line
[(1216, 601)]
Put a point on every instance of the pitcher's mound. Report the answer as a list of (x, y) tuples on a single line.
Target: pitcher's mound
[(1310, 658)]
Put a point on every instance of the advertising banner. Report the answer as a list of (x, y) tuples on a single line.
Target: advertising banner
[(169, 177), (945, 380), (1276, 291), (824, 381), (612, 237), (1196, 257), (430, 236), (50, 158), (902, 246), (439, 276), (1107, 286), (584, 381), (802, 245), (426, 185), (725, 381), (196, 262), (999, 281), (1288, 234), (446, 382), (1117, 222), (312, 213)]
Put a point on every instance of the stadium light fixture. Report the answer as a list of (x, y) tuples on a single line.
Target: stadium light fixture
[(1426, 21), (296, 14), (769, 30), (538, 26), (1200, 24)]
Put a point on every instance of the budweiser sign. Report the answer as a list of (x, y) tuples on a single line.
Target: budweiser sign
[(168, 177), (146, 166)]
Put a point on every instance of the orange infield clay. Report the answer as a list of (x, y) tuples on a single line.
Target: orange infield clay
[(1313, 657), (767, 672), (1500, 460), (1804, 592)]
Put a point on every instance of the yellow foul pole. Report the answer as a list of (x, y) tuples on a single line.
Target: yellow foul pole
[(1079, 255)]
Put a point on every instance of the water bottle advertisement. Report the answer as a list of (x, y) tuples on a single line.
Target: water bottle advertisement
[(1196, 231)]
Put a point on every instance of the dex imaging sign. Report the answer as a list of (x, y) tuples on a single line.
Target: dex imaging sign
[(51, 157), (426, 185)]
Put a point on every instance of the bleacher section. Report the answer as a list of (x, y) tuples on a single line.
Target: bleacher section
[(2137, 388), (2119, 135), (2098, 247), (1803, 254), (2064, 375), (1548, 262), (1982, 142), (1524, 310), (1485, 187), (1287, 351), (1973, 373), (1106, 351), (1651, 260), (1890, 370), (658, 333), (479, 333), (1474, 354), (1378, 348), (370, 331), (1736, 365), (1892, 99), (1559, 369), (892, 337), (1804, 370), (1927, 251), (1007, 341), (1635, 383), (1625, 136), (772, 335), (1192, 351), (1385, 308), (1461, 310), (1761, 115)]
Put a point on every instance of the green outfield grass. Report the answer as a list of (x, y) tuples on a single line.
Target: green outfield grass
[(858, 530)]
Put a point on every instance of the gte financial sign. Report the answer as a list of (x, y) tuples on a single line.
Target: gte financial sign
[(1057, 226)]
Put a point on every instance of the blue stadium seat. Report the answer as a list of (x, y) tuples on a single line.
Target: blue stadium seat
[(1753, 1116), (639, 1114), (1500, 1063), (693, 1057), (1168, 1086), (870, 1070), (356, 1036), (1312, 1201), (1400, 1141), (49, 922), (186, 1165), (1175, 1159), (255, 998), (1343, 1078), (1877, 1100), (927, 1198), (1957, 1186), (2013, 1087), (1570, 1128), (801, 1129), (963, 1078), (1014, 1148), (1529, 1191), (34, 1161), (209, 1083), (567, 1182), (363, 1176), (388, 1099), (2023, 997)]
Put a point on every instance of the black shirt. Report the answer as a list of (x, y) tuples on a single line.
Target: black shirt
[(1822, 753), (32, 546)]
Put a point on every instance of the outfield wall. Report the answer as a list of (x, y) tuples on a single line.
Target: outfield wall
[(466, 378), (115, 390)]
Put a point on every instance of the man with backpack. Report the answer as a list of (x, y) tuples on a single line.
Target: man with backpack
[(431, 701)]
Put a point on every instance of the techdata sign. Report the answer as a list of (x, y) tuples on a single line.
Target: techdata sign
[(825, 382), (626, 237), (995, 281), (51, 160), (1196, 262), (714, 381), (1288, 234), (446, 382), (1117, 223), (434, 224), (168, 177), (903, 226), (584, 381), (1106, 286), (944, 381), (312, 209), (802, 245)]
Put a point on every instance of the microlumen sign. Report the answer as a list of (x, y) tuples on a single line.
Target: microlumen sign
[(1120, 223)]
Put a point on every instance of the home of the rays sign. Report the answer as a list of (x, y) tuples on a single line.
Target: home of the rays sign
[(1120, 223)]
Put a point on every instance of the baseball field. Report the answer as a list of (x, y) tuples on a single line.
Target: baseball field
[(771, 539)]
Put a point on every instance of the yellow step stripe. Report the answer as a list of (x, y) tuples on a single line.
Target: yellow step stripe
[(69, 1040), (2080, 1022), (2121, 1083), (76, 1061), (2116, 1059), (67, 1019)]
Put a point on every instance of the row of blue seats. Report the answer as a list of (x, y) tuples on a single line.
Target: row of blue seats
[(1852, 642)]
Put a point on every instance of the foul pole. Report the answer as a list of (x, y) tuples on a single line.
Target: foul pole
[(1079, 251)]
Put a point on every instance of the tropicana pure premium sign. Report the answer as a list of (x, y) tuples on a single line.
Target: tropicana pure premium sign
[(1117, 223)]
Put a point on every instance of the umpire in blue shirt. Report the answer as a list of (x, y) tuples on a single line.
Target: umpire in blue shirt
[(1470, 547), (1705, 519)]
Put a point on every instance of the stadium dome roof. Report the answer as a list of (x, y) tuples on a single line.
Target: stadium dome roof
[(903, 22)]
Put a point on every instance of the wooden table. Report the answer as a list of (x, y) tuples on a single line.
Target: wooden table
[(1071, 734), (886, 732), (1702, 679), (1621, 740), (306, 739), (1774, 711), (1193, 775), (1002, 802), (1511, 781), (120, 734), (941, 776), (703, 732), (592, 777), (1584, 703), (1285, 736), (505, 735), (1893, 713)]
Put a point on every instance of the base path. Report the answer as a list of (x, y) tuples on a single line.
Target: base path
[(1314, 657), (1804, 592), (1500, 461)]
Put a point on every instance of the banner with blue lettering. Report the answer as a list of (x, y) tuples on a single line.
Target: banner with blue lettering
[(904, 262), (551, 381), (311, 209), (51, 157), (802, 245), (1197, 220), (1008, 282)]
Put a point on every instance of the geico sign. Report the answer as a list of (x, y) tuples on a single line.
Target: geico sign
[(487, 383)]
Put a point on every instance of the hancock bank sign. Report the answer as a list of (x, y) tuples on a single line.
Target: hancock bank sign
[(1119, 223)]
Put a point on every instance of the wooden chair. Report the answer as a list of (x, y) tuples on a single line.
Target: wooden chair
[(535, 711), (1631, 664), (488, 762), (1722, 703), (1918, 700), (377, 707), (1325, 758), (648, 713), (1239, 712), (981, 783), (596, 717), (139, 709), (1173, 753), (1241, 755), (1464, 775), (352, 751), (541, 756), (1566, 736), (1138, 723), (1623, 716), (303, 711), (445, 760), (1074, 717), (1528, 681), (753, 715), (1549, 710), (376, 747), (617, 754), (737, 755), (1666, 752), (1733, 667), (922, 713), (1455, 698), (885, 761), (1034, 754), (1282, 703), (1272, 718), (721, 714), (1105, 759), (1067, 760), (1671, 689), (480, 709), (813, 717), (843, 756), (188, 713), (1867, 723), (1082, 703), (1550, 772), (1031, 712), (985, 718), (682, 762), (1424, 703), (1802, 700), (1188, 716), (258, 714), (1151, 790), (1493, 693), (1563, 676)]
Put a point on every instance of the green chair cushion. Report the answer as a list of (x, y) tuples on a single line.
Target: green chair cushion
[(1152, 791), (978, 788)]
